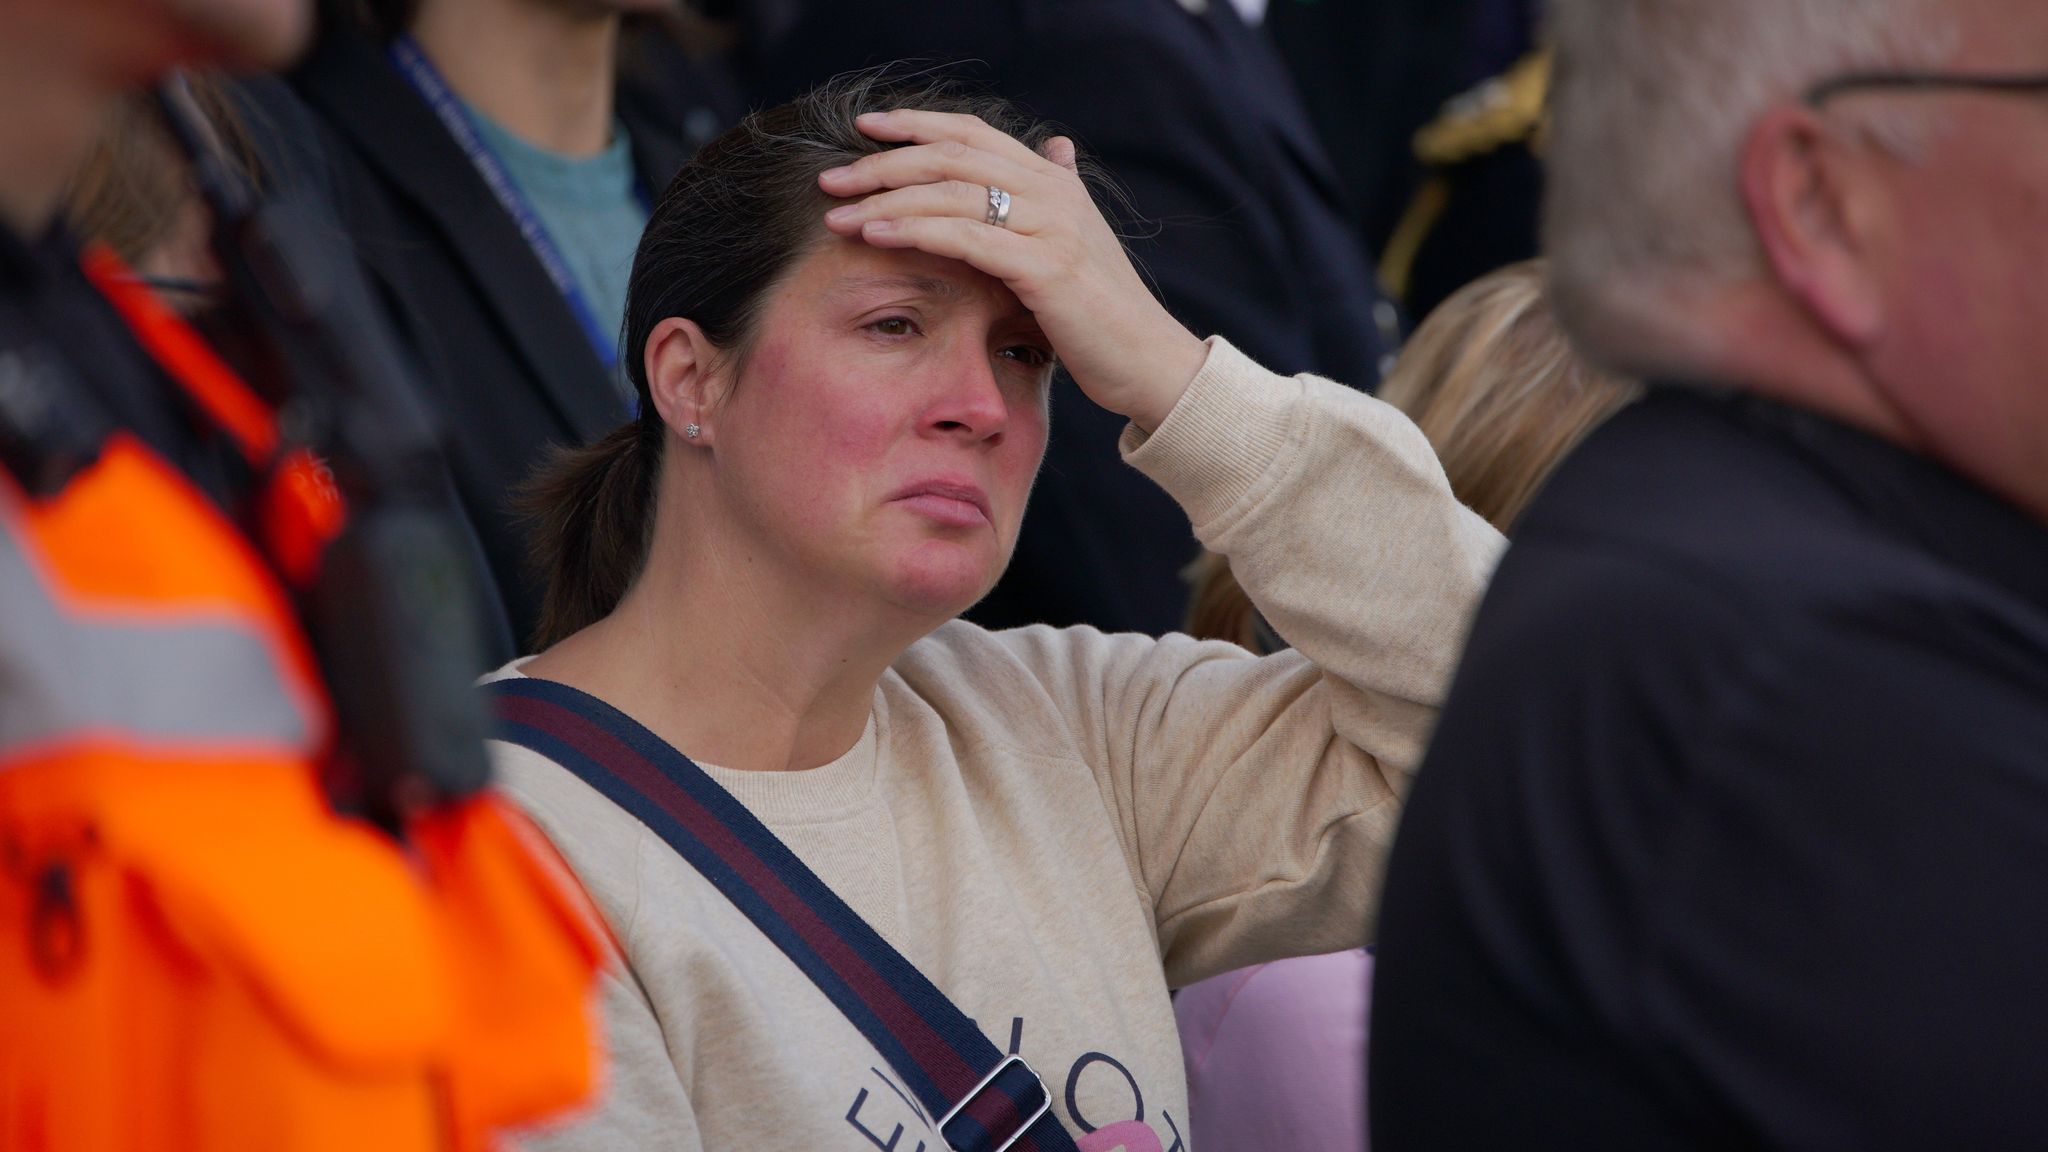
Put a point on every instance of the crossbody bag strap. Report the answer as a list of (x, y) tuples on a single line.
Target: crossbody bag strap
[(985, 1101)]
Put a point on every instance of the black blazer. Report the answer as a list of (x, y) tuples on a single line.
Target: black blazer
[(505, 364), (1244, 230), (1373, 74)]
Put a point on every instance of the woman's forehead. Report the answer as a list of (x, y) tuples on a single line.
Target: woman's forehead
[(849, 270)]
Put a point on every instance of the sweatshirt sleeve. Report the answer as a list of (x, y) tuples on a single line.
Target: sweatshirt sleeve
[(1256, 797)]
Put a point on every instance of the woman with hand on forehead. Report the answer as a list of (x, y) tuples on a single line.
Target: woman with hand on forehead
[(798, 786)]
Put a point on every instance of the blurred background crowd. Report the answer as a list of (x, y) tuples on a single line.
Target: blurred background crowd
[(1306, 179)]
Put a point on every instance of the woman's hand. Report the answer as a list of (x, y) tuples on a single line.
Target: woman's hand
[(1057, 253)]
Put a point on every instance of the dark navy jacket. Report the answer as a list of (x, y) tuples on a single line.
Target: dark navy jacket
[(1735, 826), (505, 364)]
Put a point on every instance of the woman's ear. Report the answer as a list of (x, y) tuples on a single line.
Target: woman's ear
[(684, 377), (1818, 211)]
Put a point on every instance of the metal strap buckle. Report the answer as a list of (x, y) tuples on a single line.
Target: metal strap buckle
[(989, 1079)]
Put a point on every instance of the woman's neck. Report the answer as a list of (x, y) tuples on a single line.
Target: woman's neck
[(732, 665), (543, 69)]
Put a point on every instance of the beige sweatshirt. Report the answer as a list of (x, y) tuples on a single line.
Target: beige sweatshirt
[(1058, 825)]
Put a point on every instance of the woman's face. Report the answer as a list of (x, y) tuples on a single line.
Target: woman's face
[(886, 426)]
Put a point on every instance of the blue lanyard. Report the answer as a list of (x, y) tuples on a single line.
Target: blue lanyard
[(420, 71)]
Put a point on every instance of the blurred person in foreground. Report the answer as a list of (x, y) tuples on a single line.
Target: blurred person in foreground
[(1734, 828), (1275, 1053), (202, 952), (137, 197), (1233, 212), (493, 162)]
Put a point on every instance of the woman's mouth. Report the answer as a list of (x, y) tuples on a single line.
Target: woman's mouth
[(951, 503)]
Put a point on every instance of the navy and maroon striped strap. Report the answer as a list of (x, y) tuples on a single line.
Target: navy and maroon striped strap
[(940, 1054)]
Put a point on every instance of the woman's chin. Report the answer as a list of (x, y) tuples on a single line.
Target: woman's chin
[(942, 584)]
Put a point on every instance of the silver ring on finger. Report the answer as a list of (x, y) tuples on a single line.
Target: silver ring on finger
[(998, 207)]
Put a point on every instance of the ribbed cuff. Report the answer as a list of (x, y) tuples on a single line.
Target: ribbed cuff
[(1221, 441)]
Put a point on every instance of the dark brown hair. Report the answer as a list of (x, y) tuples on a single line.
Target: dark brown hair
[(729, 227)]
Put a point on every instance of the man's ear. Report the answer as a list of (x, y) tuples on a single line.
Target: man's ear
[(684, 377), (1814, 198)]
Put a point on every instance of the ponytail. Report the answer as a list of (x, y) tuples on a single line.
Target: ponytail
[(592, 510)]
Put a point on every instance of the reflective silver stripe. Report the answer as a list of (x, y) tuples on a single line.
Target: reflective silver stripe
[(186, 681)]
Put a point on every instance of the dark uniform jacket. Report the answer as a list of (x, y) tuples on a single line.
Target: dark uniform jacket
[(1735, 826), (1374, 74), (506, 365), (1242, 227)]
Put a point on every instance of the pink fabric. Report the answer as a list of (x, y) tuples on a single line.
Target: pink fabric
[(1276, 1055)]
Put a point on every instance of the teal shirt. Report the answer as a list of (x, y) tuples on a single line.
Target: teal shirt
[(589, 208)]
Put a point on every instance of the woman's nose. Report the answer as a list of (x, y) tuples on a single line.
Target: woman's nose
[(969, 402)]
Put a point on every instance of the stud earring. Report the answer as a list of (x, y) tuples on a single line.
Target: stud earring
[(692, 431)]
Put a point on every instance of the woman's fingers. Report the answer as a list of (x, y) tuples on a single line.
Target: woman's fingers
[(1056, 252), (916, 127), (1061, 151), (932, 164), (1001, 254), (952, 198)]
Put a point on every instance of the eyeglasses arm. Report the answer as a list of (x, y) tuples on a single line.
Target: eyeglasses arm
[(1827, 90)]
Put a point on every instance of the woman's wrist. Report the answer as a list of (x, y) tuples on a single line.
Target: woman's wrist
[(1227, 436), (1172, 361)]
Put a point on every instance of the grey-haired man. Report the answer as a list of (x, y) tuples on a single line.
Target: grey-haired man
[(1736, 824)]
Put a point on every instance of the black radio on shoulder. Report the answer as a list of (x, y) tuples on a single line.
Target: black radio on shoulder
[(391, 613)]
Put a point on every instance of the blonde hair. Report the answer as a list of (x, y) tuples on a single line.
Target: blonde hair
[(1501, 394), (1503, 398)]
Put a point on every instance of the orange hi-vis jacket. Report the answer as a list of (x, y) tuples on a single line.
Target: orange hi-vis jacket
[(196, 953)]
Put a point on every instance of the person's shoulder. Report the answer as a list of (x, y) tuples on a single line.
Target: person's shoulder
[(1036, 683), (1580, 626), (1640, 523), (963, 664), (1691, 485), (971, 677), (1677, 471), (1652, 571), (1691, 547), (599, 839), (573, 813), (967, 656)]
